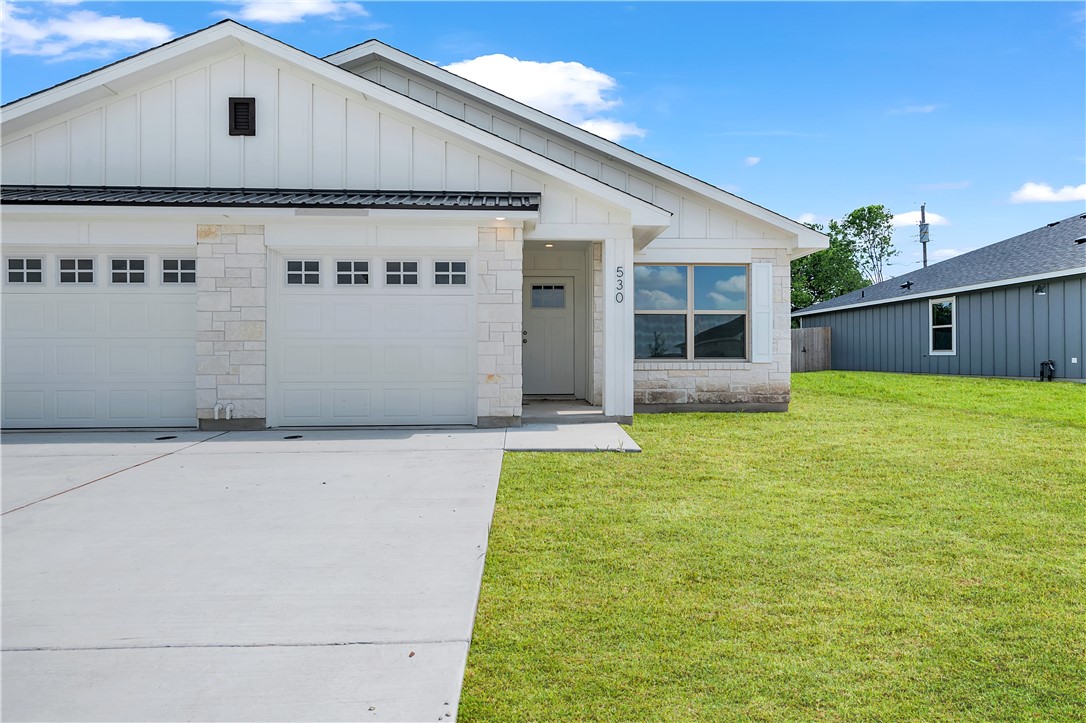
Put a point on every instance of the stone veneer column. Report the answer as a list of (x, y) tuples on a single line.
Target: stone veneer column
[(597, 323), (231, 314), (499, 282)]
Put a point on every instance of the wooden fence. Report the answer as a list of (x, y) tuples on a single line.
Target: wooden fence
[(811, 349)]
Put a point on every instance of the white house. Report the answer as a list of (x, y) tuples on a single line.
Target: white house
[(225, 225)]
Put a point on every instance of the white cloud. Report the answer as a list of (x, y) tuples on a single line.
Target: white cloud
[(657, 299), (292, 11), (912, 218), (568, 90), (813, 218), (910, 109), (54, 31), (1044, 193), (612, 130), (731, 285), (751, 161), (658, 277)]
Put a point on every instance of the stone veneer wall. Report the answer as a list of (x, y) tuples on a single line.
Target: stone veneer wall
[(231, 315), (736, 384), (499, 297)]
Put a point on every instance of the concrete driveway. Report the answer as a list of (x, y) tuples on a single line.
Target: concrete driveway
[(242, 576)]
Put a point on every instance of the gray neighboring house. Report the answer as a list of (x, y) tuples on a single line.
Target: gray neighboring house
[(1001, 311)]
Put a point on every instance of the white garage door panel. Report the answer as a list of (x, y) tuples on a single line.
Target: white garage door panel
[(99, 358), (372, 356)]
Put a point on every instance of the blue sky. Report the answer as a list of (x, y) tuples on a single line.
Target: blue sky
[(810, 109)]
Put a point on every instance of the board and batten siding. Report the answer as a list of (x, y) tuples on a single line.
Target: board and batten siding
[(1004, 332), (310, 133), (694, 217)]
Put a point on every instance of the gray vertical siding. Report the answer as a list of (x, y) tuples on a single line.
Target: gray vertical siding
[(1006, 331)]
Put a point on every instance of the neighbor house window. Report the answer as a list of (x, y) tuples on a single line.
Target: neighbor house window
[(77, 271), (24, 271), (352, 273), (127, 271), (401, 273), (942, 317), (450, 272), (307, 273), (690, 312), (179, 271)]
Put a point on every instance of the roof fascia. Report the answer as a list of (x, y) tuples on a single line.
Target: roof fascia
[(807, 238), (113, 79), (209, 40), (945, 292)]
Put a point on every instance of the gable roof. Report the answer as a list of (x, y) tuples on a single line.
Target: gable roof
[(1052, 250), (370, 49), (109, 81)]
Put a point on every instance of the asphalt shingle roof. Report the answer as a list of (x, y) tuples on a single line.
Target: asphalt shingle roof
[(1049, 249), (267, 198)]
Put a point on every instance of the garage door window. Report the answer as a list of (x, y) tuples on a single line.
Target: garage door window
[(24, 271), (352, 273), (306, 273), (77, 271), (127, 271), (179, 271), (451, 273), (402, 273)]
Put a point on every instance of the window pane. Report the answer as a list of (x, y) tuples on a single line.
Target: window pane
[(659, 287), (720, 336), (660, 336), (548, 296), (942, 313), (942, 339), (720, 287)]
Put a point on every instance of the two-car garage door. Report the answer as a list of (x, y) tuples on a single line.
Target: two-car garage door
[(97, 339)]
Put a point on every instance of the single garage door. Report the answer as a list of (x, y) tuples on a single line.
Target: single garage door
[(96, 339), (376, 339)]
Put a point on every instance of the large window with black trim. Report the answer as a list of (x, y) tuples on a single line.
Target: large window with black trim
[(691, 312)]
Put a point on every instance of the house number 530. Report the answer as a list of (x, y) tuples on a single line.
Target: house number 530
[(619, 284)]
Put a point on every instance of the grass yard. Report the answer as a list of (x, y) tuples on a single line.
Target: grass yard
[(894, 548)]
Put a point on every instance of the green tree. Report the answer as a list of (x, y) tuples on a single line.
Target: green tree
[(825, 274), (868, 234)]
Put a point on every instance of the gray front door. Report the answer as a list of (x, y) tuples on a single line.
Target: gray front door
[(549, 338)]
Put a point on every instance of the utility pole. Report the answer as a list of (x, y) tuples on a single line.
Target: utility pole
[(924, 234)]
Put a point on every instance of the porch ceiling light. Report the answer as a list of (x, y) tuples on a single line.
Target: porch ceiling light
[(548, 246)]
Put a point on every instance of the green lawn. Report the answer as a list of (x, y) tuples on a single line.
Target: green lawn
[(894, 548)]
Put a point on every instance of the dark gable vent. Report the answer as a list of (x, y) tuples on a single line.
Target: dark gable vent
[(243, 116)]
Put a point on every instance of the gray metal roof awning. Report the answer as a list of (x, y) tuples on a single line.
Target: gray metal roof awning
[(267, 198)]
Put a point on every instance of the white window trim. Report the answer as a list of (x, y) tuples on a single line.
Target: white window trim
[(146, 271), (303, 260), (450, 273), (18, 257), (96, 270), (690, 312), (336, 272), (953, 300), (162, 270), (419, 275)]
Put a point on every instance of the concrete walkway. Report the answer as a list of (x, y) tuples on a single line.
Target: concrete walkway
[(246, 576)]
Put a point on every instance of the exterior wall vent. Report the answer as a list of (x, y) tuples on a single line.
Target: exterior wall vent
[(243, 116)]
